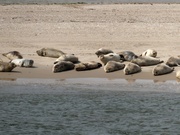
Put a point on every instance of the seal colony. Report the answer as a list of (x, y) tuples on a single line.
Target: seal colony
[(110, 61)]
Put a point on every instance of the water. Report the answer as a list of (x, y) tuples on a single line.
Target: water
[(84, 1), (89, 107)]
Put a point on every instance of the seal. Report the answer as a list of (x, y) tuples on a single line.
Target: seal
[(146, 61), (110, 57), (162, 69), (131, 68), (6, 67), (13, 55), (23, 62), (112, 66), (87, 66), (68, 57), (49, 52), (150, 53), (62, 66), (178, 74), (103, 51), (173, 61), (127, 55)]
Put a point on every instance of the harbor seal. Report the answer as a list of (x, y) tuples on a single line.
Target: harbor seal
[(127, 55), (146, 61), (178, 74), (13, 55), (50, 52), (110, 57), (87, 66), (62, 66), (112, 66), (68, 57), (6, 66), (131, 68), (162, 69), (103, 51), (173, 61), (150, 53), (23, 62)]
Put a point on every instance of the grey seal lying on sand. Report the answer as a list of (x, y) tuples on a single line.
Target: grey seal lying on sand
[(127, 55), (50, 52), (178, 74), (13, 55), (6, 67), (103, 51), (162, 69), (146, 61), (150, 53), (131, 68), (110, 57), (112, 66), (23, 62), (68, 57), (62, 66), (173, 61), (87, 66)]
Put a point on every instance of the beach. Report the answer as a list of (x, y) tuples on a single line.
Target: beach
[(38, 101), (82, 29)]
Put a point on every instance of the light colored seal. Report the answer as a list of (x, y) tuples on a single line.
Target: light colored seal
[(23, 62), (109, 57), (62, 66), (68, 57), (87, 66), (178, 74), (150, 53), (162, 69), (131, 68), (103, 51), (146, 61), (6, 67), (50, 52), (173, 61), (127, 55), (112, 66), (13, 55)]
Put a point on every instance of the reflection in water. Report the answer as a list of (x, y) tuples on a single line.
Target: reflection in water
[(8, 79), (131, 80), (159, 81)]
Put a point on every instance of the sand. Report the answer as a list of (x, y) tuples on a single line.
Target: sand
[(83, 29)]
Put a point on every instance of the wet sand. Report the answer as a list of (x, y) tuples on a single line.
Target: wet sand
[(83, 29)]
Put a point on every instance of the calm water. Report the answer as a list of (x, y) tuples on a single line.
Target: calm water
[(85, 1), (71, 107)]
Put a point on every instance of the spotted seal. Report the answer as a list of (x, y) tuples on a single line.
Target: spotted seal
[(112, 66), (127, 55), (23, 62), (146, 61), (13, 55), (178, 74), (50, 52), (62, 66), (131, 68), (173, 61), (110, 57), (162, 69), (150, 53), (87, 66), (6, 66), (103, 51), (68, 57)]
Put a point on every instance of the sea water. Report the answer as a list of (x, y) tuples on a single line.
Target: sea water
[(84, 1), (89, 107)]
